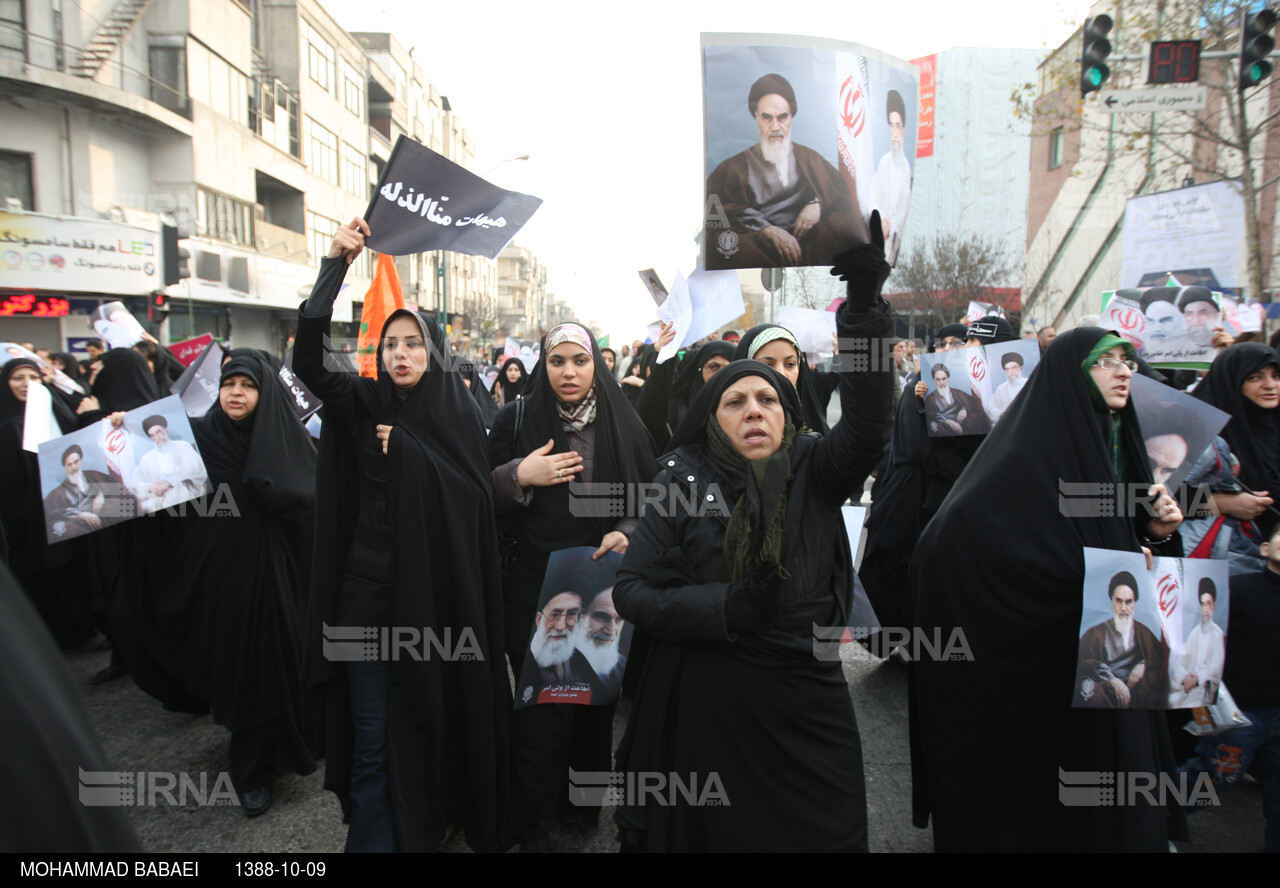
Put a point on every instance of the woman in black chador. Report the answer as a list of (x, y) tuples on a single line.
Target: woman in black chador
[(47, 572), (415, 741), (733, 695), (574, 425), (222, 607), (993, 730)]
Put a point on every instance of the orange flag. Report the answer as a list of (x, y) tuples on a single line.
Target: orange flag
[(383, 298)]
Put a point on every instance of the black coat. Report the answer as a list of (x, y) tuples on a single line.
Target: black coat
[(760, 710), (446, 717)]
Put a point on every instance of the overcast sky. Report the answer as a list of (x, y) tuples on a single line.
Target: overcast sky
[(606, 100)]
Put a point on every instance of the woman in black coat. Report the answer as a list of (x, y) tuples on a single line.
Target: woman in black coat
[(733, 693), (405, 540)]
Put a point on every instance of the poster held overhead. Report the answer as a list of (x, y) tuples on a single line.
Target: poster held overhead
[(794, 127), (424, 201)]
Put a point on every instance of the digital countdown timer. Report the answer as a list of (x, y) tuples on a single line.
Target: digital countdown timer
[(1174, 61)]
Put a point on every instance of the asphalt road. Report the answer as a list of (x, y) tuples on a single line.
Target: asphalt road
[(138, 735)]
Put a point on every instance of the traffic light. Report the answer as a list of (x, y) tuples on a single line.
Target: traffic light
[(177, 260), (1255, 45), (158, 306), (1093, 71)]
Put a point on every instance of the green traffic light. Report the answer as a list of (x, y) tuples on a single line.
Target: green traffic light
[(1095, 77)]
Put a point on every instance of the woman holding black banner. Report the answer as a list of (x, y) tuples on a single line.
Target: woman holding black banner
[(574, 424), (737, 695), (1000, 571), (404, 541)]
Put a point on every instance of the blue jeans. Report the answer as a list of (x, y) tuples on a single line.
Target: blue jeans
[(372, 827), (1227, 757)]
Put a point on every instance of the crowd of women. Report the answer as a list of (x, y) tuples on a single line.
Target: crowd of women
[(434, 503)]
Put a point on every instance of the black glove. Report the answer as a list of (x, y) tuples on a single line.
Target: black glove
[(750, 604), (863, 268)]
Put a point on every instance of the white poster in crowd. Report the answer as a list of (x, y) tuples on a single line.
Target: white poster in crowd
[(117, 327), (1151, 638), (38, 424), (39, 252), (814, 330), (1171, 326), (698, 305), (1196, 233), (970, 389), (526, 350), (107, 473)]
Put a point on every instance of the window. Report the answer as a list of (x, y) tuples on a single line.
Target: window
[(352, 90), (322, 150), (1055, 148), (319, 235), (401, 81), (321, 57), (15, 178), (13, 31), (222, 217), (169, 77), (355, 174), (218, 85)]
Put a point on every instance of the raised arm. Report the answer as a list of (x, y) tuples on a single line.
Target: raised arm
[(315, 314), (847, 455)]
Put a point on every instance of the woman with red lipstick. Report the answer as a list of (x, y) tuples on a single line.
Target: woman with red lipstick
[(404, 541), (574, 425)]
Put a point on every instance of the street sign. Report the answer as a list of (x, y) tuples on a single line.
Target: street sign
[(1132, 101)]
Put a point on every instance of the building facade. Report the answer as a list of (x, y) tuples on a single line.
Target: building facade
[(256, 126)]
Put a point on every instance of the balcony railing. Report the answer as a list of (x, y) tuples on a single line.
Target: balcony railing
[(30, 49)]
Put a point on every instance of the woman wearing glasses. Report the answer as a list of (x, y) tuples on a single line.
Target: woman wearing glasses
[(991, 734)]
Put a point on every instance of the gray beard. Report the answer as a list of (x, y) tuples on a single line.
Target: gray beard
[(548, 653), (601, 657), (780, 156)]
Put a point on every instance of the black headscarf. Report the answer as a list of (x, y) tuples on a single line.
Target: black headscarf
[(488, 409), (125, 382), (815, 418), (991, 330), (511, 390), (268, 450), (1253, 432), (70, 366), (1019, 611), (688, 381), (757, 489), (10, 406)]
